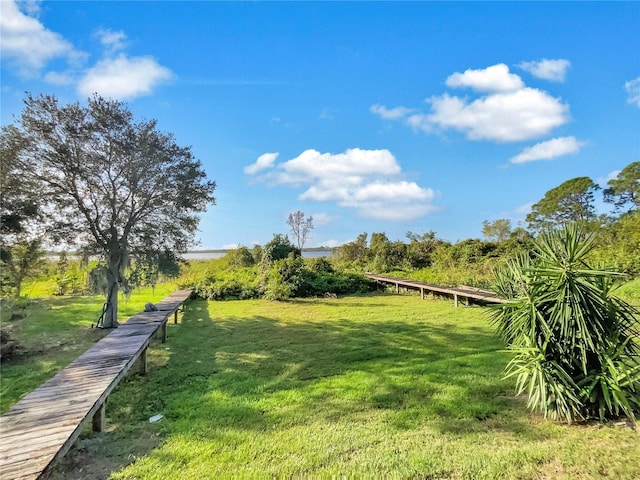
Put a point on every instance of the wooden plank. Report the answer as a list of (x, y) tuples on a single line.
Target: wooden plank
[(30, 468), (34, 431), (38, 446)]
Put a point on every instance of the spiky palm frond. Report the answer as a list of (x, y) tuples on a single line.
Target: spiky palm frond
[(577, 352)]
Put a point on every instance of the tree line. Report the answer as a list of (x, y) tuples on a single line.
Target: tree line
[(574, 201)]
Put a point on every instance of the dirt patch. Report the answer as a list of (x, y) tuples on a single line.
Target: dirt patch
[(96, 455)]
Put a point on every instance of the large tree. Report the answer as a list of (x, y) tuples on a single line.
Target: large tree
[(572, 201), (117, 186), (625, 188)]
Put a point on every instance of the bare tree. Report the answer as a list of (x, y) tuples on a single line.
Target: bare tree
[(300, 226)]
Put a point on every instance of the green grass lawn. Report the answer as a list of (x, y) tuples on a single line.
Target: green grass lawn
[(368, 386)]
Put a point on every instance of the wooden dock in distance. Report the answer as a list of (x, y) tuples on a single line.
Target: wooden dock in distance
[(45, 423), (469, 293)]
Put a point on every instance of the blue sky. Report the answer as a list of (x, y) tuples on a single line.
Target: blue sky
[(372, 117)]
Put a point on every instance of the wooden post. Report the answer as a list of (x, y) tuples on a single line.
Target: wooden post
[(175, 317), (397, 288), (455, 299), (99, 418), (143, 362), (163, 330), (422, 293)]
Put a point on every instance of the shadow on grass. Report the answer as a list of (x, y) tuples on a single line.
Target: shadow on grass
[(218, 375), (260, 372)]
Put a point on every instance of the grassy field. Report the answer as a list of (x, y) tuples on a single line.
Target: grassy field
[(370, 386)]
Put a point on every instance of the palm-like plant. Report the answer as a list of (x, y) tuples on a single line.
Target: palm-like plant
[(576, 345)]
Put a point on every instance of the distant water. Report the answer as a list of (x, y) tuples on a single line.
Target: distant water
[(212, 255), (206, 255)]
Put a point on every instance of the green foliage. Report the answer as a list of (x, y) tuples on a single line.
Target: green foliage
[(320, 265), (279, 247), (630, 291), (220, 283), (69, 277), (19, 197), (257, 253), (575, 343), (421, 248), (239, 258), (572, 201), (619, 244), (277, 280), (625, 188), (498, 230), (354, 253), (276, 287), (20, 261)]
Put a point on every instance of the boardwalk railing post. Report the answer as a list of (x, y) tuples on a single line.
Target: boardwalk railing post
[(164, 331), (397, 287), (455, 299), (175, 317), (143, 362), (99, 420)]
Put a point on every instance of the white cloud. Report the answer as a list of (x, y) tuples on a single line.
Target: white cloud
[(553, 70), (263, 162), (26, 44), (320, 219), (123, 77), (603, 181), (364, 180), (502, 117), (508, 112), (523, 210), (350, 165), (549, 149), (390, 113), (491, 79), (59, 78), (632, 87), (112, 41)]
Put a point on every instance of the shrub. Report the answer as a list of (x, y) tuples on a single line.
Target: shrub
[(575, 343)]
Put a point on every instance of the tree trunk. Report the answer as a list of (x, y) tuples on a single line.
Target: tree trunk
[(110, 319)]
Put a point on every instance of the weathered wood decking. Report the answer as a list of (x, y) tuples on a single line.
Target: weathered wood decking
[(460, 291), (43, 425)]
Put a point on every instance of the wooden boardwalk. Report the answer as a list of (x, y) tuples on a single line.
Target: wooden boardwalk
[(43, 425), (456, 292)]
